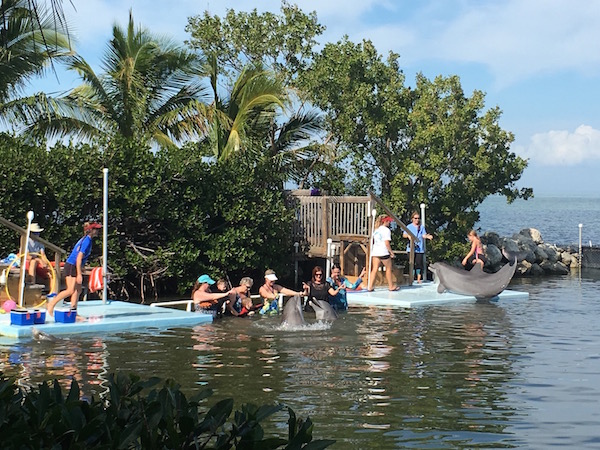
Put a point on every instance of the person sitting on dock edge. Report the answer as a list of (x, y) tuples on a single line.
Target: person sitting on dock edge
[(476, 251)]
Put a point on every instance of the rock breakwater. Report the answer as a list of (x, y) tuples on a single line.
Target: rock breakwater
[(534, 256)]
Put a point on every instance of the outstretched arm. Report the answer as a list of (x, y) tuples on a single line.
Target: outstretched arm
[(471, 253)]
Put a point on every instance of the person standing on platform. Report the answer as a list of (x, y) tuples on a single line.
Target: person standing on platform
[(381, 251), (420, 232), (73, 269)]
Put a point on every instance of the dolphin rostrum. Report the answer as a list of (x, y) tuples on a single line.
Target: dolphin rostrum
[(292, 312), (41, 336), (474, 282), (323, 310)]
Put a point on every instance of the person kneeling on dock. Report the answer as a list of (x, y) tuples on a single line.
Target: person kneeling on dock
[(206, 301)]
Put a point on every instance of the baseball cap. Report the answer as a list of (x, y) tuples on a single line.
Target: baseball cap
[(206, 279), (270, 275), (91, 226)]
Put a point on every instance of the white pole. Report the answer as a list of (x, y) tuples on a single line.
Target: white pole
[(580, 227), (105, 238), (328, 263), (22, 283), (424, 243), (373, 214), (296, 246)]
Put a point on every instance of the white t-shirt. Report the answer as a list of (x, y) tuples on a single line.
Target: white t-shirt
[(381, 235)]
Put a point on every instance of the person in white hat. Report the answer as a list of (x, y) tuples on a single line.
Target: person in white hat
[(270, 290), (36, 252)]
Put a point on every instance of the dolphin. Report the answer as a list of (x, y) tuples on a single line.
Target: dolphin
[(292, 312), (475, 282), (41, 336), (323, 310)]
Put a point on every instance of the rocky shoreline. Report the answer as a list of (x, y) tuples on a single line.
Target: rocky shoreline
[(534, 256)]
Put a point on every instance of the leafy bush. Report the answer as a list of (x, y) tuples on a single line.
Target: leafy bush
[(138, 414)]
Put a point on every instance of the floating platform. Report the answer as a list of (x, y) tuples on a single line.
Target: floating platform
[(418, 295), (94, 316)]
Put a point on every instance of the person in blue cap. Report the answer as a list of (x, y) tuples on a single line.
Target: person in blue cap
[(210, 302)]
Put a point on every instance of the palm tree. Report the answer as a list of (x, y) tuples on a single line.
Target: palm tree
[(29, 39), (150, 92), (242, 118)]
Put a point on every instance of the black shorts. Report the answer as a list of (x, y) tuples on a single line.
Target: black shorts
[(69, 270), (419, 261), (382, 258)]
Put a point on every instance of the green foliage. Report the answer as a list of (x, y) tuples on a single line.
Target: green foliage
[(150, 92), (430, 144), (172, 214), (366, 105), (29, 38), (283, 42), (139, 414)]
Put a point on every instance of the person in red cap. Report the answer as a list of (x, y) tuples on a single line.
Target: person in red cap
[(381, 251), (73, 269)]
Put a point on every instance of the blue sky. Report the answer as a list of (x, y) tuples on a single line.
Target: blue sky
[(538, 60)]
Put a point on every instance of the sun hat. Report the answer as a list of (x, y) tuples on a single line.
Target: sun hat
[(386, 219), (91, 226), (206, 279), (270, 275), (35, 228)]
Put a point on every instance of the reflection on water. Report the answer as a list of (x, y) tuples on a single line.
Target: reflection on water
[(522, 373)]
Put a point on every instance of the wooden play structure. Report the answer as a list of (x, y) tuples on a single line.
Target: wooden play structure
[(33, 293), (339, 228)]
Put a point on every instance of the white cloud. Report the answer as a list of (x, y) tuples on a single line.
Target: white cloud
[(563, 148), (513, 39)]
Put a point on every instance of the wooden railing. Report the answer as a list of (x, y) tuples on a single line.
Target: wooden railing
[(319, 218), (58, 252), (346, 220)]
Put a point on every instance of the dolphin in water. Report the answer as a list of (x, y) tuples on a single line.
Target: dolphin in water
[(292, 312), (474, 282), (41, 336), (323, 310)]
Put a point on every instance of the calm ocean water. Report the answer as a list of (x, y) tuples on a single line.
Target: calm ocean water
[(557, 218), (506, 374)]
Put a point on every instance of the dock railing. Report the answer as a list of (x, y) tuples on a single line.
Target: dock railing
[(319, 218), (58, 252), (344, 219)]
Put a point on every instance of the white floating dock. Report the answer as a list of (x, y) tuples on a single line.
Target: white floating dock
[(97, 317), (418, 295)]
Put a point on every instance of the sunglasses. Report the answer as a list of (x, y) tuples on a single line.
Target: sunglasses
[(416, 218), (318, 274)]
